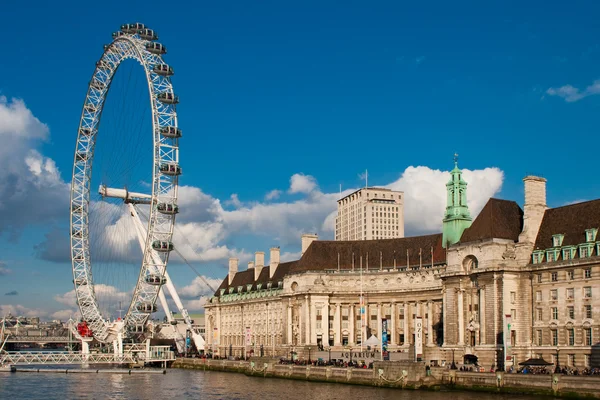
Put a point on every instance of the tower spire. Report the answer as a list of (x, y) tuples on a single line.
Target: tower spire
[(457, 217)]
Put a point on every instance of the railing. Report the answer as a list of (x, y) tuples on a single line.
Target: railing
[(157, 353), (40, 339)]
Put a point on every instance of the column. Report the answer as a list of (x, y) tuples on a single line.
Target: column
[(429, 323), (337, 325), (461, 318), (407, 318), (312, 339), (352, 318), (482, 315), (392, 325), (290, 321), (305, 322), (379, 321), (325, 326)]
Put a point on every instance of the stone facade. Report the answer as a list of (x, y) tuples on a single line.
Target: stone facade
[(370, 213), (518, 284)]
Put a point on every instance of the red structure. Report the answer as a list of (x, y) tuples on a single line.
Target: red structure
[(83, 329)]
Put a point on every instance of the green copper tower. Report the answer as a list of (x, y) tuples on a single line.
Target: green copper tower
[(457, 217)]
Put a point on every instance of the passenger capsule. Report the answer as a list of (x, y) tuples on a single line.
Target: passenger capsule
[(85, 132), (80, 281), (146, 307), (117, 34), (98, 85), (77, 233), (78, 258), (76, 208), (172, 169), (168, 98), (170, 132), (166, 208), (84, 303), (147, 34), (132, 28), (81, 156), (156, 280), (163, 70), (156, 48), (90, 108), (162, 246)]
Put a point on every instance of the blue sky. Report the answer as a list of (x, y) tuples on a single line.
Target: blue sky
[(321, 89)]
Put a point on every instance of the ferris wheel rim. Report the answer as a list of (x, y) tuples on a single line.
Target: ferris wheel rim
[(164, 185)]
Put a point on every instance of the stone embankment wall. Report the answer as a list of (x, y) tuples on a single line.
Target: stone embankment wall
[(409, 375)]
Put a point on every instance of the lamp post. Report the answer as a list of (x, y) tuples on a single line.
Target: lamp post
[(309, 361), (329, 354), (557, 369)]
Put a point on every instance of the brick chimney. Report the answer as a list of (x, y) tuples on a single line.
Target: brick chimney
[(259, 263), (273, 260), (307, 239), (233, 268), (535, 206)]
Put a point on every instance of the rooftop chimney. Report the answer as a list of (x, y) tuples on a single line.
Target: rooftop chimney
[(250, 264), (233, 268), (535, 206), (307, 239), (259, 260), (273, 261)]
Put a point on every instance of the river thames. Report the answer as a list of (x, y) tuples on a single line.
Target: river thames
[(185, 384)]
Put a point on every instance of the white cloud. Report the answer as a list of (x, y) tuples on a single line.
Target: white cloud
[(18, 310), (273, 195), (425, 195), (3, 270), (106, 295), (300, 183), (234, 201), (17, 120), (198, 304), (198, 287), (572, 94), (31, 189), (65, 315)]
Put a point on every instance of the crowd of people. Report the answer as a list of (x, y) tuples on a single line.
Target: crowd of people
[(333, 363)]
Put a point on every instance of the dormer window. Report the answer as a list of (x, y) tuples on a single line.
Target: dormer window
[(280, 284), (551, 255), (568, 253), (557, 240), (585, 250), (269, 285), (231, 289), (538, 256), (222, 291), (248, 287), (590, 234), (240, 289), (258, 286)]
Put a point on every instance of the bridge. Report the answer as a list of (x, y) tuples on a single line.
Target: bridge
[(154, 354), (41, 339)]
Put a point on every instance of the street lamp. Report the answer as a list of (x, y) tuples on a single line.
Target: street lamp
[(557, 369), (329, 354), (309, 356)]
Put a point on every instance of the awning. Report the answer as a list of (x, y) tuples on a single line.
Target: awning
[(372, 341), (535, 362)]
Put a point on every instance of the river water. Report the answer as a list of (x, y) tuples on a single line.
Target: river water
[(186, 384)]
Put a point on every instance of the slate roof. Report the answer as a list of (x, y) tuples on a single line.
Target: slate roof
[(499, 219), (571, 221), (323, 255)]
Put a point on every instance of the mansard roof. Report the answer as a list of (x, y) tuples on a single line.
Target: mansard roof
[(571, 221), (499, 219), (324, 255), (246, 277)]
